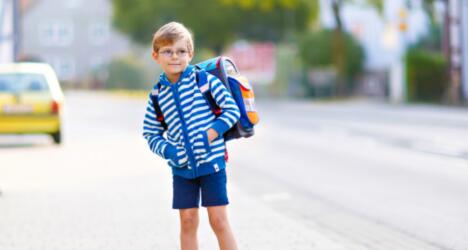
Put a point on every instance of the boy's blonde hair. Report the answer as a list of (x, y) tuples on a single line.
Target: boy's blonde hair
[(170, 33)]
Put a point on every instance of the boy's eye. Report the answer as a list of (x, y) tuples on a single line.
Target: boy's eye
[(181, 52)]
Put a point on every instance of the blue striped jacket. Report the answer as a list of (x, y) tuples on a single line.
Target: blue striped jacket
[(188, 117)]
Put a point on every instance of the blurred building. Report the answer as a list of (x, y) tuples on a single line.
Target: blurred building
[(75, 36)]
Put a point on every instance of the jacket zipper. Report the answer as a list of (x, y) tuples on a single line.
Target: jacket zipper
[(175, 92)]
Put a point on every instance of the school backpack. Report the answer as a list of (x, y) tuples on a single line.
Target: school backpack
[(239, 87)]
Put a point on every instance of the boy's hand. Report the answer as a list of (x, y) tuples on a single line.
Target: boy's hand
[(212, 134)]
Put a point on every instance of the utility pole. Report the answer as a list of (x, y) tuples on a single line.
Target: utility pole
[(9, 30), (453, 48), (16, 28), (464, 44)]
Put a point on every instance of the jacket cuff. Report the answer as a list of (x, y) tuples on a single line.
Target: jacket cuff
[(221, 127)]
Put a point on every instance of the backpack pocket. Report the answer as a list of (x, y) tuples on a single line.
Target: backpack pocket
[(243, 94)]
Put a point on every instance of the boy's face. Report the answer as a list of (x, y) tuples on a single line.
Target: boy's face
[(173, 59)]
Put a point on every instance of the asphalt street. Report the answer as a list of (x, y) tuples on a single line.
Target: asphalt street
[(333, 175)]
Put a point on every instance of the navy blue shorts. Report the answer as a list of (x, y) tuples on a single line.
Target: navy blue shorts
[(186, 192)]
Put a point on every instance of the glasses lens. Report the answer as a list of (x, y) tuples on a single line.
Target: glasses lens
[(181, 52)]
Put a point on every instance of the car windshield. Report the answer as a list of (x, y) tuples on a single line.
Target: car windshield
[(23, 82)]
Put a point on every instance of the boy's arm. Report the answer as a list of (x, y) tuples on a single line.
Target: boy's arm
[(230, 113), (153, 133)]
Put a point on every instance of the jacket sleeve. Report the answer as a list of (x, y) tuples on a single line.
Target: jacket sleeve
[(230, 113), (153, 133)]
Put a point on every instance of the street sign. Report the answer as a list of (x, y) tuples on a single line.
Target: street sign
[(257, 61)]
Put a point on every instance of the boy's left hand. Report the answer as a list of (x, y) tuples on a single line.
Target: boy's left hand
[(212, 134)]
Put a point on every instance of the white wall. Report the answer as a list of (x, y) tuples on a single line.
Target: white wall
[(6, 31)]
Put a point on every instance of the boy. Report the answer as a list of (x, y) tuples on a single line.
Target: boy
[(194, 144)]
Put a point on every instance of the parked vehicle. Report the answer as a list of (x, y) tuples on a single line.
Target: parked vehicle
[(31, 100)]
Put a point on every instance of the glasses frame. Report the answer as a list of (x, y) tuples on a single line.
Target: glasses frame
[(168, 53)]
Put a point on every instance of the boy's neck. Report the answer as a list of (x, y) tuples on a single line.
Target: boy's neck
[(173, 78)]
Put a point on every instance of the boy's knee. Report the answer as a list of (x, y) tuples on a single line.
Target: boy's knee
[(219, 223), (189, 222)]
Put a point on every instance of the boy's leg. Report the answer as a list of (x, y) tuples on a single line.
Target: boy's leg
[(220, 225), (186, 198), (215, 199), (188, 228)]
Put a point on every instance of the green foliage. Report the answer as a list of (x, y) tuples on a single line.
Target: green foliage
[(377, 4), (316, 50), (126, 73), (426, 75), (433, 41), (215, 22)]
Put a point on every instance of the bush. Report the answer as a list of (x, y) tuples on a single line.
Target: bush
[(426, 75), (316, 51), (126, 73)]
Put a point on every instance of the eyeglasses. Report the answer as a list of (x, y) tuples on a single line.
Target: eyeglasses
[(169, 53)]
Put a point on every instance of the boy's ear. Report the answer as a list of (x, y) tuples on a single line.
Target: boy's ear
[(155, 55), (191, 54)]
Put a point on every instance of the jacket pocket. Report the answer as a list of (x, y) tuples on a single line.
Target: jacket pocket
[(201, 145)]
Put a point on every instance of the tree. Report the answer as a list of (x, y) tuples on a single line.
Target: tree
[(324, 56), (339, 47), (215, 22)]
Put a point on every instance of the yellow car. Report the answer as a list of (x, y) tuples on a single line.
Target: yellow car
[(30, 100)]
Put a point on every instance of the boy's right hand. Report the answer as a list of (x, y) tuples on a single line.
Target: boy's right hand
[(170, 153)]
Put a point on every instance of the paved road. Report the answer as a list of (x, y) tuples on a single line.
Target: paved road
[(316, 176), (378, 176)]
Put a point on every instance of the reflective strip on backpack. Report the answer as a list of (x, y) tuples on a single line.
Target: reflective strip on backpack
[(205, 87), (249, 104)]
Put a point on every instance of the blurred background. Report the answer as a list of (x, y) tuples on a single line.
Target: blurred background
[(401, 51), (362, 141)]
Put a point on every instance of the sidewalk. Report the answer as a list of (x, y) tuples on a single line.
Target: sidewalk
[(65, 202)]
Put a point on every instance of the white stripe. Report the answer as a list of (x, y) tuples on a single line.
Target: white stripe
[(195, 103), (187, 100), (206, 123), (188, 92)]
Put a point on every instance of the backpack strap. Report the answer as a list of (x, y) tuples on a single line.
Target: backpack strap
[(205, 88), (154, 98)]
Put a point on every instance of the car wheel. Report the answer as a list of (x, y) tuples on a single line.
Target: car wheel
[(57, 136)]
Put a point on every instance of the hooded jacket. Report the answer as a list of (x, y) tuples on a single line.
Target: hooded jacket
[(188, 117)]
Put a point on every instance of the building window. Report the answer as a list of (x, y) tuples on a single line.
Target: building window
[(98, 33), (46, 34), (96, 63), (64, 66), (56, 33)]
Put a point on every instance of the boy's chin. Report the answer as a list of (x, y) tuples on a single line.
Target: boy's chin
[(175, 72)]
